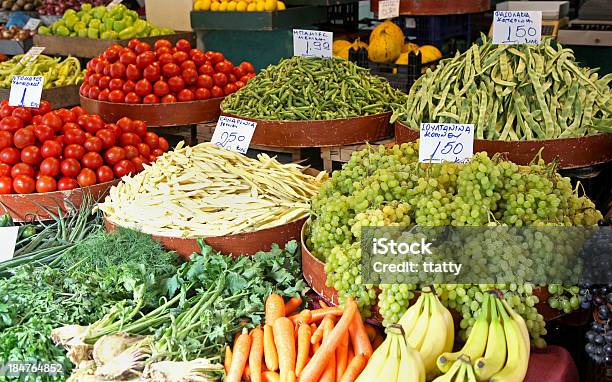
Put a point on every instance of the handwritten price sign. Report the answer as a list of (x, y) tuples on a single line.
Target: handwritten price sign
[(26, 91), (233, 134), (388, 9), (517, 27), (309, 43), (446, 142), (8, 238)]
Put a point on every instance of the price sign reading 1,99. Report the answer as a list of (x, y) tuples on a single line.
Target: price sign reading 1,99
[(517, 27), (446, 142), (233, 134), (309, 43)]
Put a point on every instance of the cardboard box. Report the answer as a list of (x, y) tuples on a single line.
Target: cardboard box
[(174, 14)]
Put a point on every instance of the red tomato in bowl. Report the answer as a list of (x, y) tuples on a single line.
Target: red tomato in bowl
[(23, 184), (65, 184)]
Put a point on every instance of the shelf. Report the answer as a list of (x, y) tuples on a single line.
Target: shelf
[(258, 21)]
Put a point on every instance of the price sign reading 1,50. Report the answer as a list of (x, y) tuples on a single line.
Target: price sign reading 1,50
[(517, 27), (446, 142)]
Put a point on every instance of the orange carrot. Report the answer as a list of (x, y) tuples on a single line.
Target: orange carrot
[(319, 314), (378, 340), (342, 356), (359, 337), (317, 335), (290, 376), (292, 304), (315, 367), (304, 317), (270, 376), (285, 345), (256, 354), (354, 369), (270, 355), (303, 348), (329, 373), (246, 375), (323, 304), (372, 332), (275, 308), (240, 355), (228, 359), (351, 354)]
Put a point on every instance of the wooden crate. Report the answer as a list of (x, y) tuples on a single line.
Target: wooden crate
[(342, 154), (90, 48), (59, 97)]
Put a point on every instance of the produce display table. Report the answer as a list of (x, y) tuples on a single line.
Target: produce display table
[(434, 7), (258, 21)]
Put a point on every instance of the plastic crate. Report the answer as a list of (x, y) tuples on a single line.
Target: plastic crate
[(436, 30), (344, 16), (399, 76)]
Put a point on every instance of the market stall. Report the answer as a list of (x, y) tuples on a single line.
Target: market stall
[(458, 228)]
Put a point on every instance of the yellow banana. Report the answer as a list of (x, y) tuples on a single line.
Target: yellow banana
[(518, 353), (475, 345), (495, 355), (471, 377), (389, 371), (448, 376), (376, 362), (450, 326), (417, 335), (409, 318), (517, 317), (411, 364), (436, 335), (462, 373)]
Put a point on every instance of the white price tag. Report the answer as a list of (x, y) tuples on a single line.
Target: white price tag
[(26, 91), (113, 3), (31, 54), (32, 24), (388, 9), (410, 23), (233, 134), (8, 238), (309, 43), (517, 27), (446, 142)]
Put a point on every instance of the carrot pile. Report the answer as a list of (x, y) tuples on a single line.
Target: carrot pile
[(326, 344)]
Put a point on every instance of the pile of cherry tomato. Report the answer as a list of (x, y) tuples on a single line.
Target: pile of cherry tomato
[(166, 73), (43, 150)]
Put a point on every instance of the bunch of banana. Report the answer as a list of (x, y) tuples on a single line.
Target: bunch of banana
[(430, 329), (498, 344), (394, 360)]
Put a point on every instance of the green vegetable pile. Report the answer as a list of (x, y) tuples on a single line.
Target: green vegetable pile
[(57, 72), (512, 92), (301, 88), (208, 300), (80, 286), (103, 23)]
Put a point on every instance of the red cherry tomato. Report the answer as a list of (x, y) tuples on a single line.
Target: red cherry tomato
[(107, 137), (151, 73), (165, 58), (50, 167), (176, 84), (183, 45), (171, 70), (157, 152), (51, 149), (105, 174), (229, 89), (139, 127), (143, 87), (5, 169), (126, 125), (116, 96), (216, 57), (65, 184), (22, 169), (117, 69), (144, 149), (202, 93), (45, 183), (161, 88), (206, 69), (52, 120), (70, 167), (93, 144), (104, 82), (115, 84), (220, 79), (6, 139), (92, 160), (239, 84), (111, 54), (133, 43), (22, 113), (23, 138), (231, 78), (133, 73), (116, 130), (132, 98), (163, 144), (129, 139), (128, 86), (23, 184), (163, 50), (204, 81), (150, 99), (74, 136), (42, 133), (162, 43), (87, 177), (198, 57), (247, 67), (145, 59), (114, 155), (185, 95), (188, 64), (168, 98), (127, 57), (74, 151), (31, 155), (216, 91), (130, 152), (6, 185), (6, 110), (223, 67), (180, 57), (103, 96), (238, 72), (142, 47), (151, 139), (43, 108), (123, 167), (190, 76), (11, 124)]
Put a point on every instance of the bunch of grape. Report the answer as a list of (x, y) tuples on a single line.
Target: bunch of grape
[(599, 342), (484, 192), (599, 338)]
